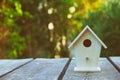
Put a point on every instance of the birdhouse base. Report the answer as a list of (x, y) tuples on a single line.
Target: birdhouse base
[(87, 69)]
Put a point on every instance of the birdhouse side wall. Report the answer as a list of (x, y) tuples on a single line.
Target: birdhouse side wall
[(87, 56)]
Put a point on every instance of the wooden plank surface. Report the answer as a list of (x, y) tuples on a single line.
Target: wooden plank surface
[(39, 69), (108, 72), (9, 65), (115, 61)]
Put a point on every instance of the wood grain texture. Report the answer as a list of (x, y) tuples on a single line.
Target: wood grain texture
[(108, 72), (9, 65), (39, 69), (115, 61)]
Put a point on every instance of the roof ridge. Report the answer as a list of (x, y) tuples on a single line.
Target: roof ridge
[(79, 35)]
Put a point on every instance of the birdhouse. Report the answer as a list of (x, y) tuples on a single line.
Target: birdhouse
[(86, 48)]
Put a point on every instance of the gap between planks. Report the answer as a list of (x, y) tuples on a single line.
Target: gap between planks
[(16, 68), (116, 67), (64, 70)]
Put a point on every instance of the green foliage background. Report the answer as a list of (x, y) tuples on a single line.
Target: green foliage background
[(24, 26)]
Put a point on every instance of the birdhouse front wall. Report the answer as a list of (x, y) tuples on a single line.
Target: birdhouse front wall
[(87, 51)]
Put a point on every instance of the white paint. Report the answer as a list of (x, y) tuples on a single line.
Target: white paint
[(87, 28), (87, 58)]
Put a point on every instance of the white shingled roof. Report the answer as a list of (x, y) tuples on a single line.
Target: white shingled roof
[(87, 27)]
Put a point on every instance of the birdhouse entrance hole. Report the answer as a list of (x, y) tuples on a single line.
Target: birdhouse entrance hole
[(87, 43)]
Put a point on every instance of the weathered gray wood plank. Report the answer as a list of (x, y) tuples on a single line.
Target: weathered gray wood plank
[(115, 61), (39, 69), (108, 72), (9, 65)]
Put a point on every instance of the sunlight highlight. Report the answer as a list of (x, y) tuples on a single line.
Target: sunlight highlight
[(69, 16), (50, 10), (72, 9), (50, 26)]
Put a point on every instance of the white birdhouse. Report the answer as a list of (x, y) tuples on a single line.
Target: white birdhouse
[(86, 47)]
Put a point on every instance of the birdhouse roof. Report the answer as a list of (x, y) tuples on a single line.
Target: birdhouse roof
[(81, 33)]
